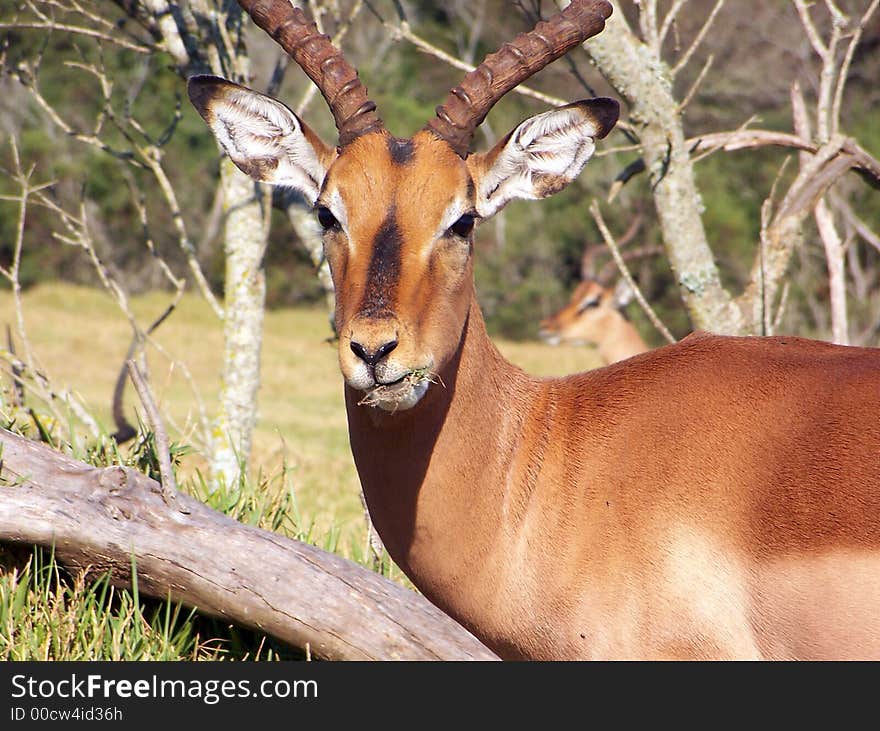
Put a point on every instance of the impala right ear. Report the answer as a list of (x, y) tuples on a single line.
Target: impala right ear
[(542, 155), (262, 136)]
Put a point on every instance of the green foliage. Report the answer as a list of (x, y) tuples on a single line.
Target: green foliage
[(48, 614)]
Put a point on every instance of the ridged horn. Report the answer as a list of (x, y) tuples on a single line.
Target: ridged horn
[(468, 103), (322, 62)]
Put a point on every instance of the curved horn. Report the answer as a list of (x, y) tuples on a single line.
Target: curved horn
[(469, 103), (323, 63)]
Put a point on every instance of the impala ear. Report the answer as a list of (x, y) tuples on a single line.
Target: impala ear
[(262, 136), (542, 155), (623, 294)]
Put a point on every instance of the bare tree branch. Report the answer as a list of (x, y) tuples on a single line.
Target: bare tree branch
[(163, 447), (809, 27), (857, 223), (106, 520), (669, 20), (648, 24), (834, 256), (78, 30), (843, 71), (403, 30)]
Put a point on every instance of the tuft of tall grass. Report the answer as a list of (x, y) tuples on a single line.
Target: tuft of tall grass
[(47, 613)]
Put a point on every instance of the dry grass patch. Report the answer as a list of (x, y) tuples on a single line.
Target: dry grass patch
[(81, 339)]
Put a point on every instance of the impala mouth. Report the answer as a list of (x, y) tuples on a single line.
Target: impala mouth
[(550, 338), (399, 395)]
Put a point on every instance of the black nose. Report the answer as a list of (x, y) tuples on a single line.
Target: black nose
[(371, 357)]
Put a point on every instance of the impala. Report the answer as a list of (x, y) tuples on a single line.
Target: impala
[(718, 498), (593, 317)]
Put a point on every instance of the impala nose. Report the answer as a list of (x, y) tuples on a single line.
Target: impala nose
[(372, 357)]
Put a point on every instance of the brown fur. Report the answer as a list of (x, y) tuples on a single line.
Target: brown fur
[(718, 498), (669, 506), (715, 498)]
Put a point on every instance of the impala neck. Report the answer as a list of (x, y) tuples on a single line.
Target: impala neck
[(622, 342), (424, 471)]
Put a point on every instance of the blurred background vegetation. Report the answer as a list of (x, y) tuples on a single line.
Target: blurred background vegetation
[(528, 260)]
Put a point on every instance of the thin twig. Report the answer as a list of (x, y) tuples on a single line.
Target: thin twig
[(592, 251), (648, 24), (625, 273), (124, 429), (668, 21), (403, 30), (154, 419), (843, 72), (834, 258), (373, 538), (311, 89), (17, 383), (682, 62), (28, 366), (861, 228), (810, 28), (78, 30), (696, 85), (780, 310), (858, 158), (153, 160), (824, 124)]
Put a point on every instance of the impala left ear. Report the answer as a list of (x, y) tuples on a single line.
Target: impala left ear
[(264, 138), (542, 155)]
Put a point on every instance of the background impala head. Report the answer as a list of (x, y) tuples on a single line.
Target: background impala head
[(593, 316), (594, 313), (398, 214)]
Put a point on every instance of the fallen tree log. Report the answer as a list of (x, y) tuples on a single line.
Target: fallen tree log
[(105, 519)]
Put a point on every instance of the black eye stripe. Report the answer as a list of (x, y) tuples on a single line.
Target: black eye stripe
[(384, 270), (590, 303)]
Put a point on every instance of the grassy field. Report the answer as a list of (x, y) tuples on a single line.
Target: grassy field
[(79, 338)]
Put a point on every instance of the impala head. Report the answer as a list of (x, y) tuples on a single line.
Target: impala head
[(589, 317), (398, 214)]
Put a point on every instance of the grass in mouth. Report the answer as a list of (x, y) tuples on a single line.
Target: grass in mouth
[(395, 392)]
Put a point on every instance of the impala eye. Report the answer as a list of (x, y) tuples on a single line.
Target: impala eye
[(326, 219), (587, 304), (463, 226)]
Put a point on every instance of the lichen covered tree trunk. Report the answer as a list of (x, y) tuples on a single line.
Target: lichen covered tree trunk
[(246, 207), (645, 80)]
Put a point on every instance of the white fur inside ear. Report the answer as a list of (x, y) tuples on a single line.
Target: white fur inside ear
[(623, 293), (265, 139), (540, 157)]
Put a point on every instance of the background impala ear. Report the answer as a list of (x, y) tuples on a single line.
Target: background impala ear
[(542, 155), (262, 136), (623, 294)]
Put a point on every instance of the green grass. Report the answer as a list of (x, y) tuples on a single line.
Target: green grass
[(46, 614), (302, 481)]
